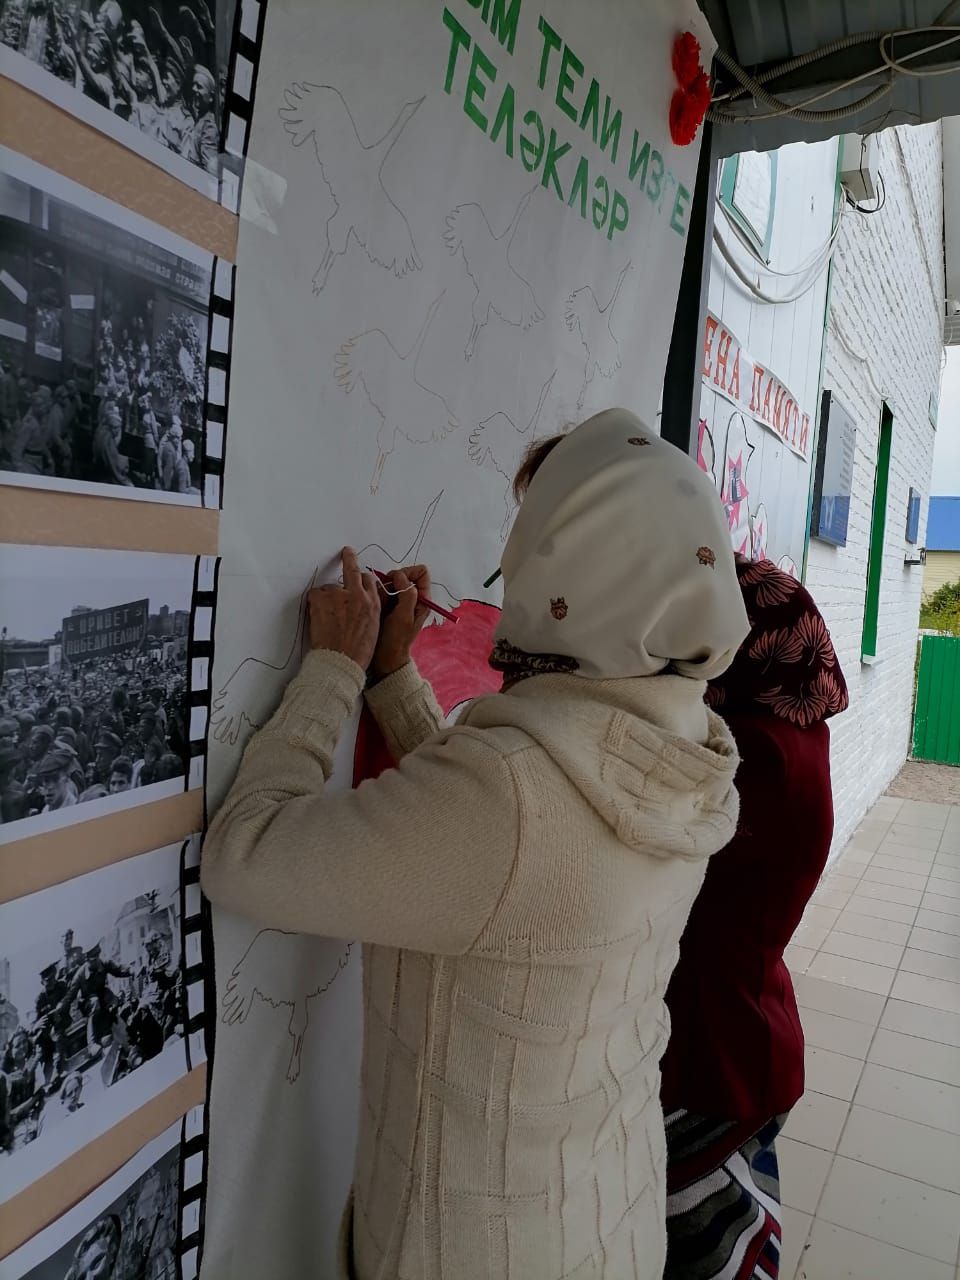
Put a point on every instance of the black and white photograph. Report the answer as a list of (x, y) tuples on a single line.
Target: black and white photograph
[(150, 73), (92, 1008), (103, 344), (95, 709), (127, 1229)]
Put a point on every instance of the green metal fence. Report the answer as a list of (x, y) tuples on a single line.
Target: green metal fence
[(936, 718)]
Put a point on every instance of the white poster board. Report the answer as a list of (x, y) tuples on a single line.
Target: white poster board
[(462, 228)]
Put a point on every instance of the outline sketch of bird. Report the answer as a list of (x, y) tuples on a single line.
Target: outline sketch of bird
[(499, 441), (500, 287), (247, 697), (353, 170), (389, 378), (251, 977), (412, 556), (584, 313)]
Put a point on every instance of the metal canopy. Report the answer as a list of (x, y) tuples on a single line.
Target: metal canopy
[(763, 33)]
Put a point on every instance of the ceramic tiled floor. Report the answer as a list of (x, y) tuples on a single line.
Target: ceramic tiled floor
[(870, 1158)]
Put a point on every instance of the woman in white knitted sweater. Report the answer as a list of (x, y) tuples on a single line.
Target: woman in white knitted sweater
[(521, 880)]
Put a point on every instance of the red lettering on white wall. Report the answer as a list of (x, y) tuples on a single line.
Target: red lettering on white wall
[(730, 371)]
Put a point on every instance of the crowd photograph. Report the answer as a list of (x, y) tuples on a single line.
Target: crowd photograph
[(103, 347), (134, 1238), (159, 66), (92, 1010), (94, 692), (100, 1005)]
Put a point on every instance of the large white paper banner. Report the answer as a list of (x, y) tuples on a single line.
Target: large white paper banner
[(462, 228)]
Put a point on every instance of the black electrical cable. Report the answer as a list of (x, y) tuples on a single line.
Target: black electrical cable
[(881, 199), (881, 194)]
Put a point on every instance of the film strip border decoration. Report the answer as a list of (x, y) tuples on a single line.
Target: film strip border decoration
[(193, 953), (245, 49), (197, 933), (199, 663), (192, 1186), (209, 982), (235, 137), (206, 974), (238, 107), (245, 46), (196, 958), (219, 346), (196, 928), (199, 981)]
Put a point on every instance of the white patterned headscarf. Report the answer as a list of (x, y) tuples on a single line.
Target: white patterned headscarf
[(619, 563)]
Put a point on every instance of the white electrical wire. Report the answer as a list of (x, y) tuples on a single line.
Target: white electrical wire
[(759, 293), (779, 107), (753, 86), (788, 109), (896, 64), (860, 356), (804, 60), (812, 259)]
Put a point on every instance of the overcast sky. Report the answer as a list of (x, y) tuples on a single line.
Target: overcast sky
[(40, 585), (946, 459)]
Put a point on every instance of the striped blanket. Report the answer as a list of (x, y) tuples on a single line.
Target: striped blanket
[(723, 1199)]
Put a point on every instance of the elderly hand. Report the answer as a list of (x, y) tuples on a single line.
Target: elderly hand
[(346, 619), (403, 620)]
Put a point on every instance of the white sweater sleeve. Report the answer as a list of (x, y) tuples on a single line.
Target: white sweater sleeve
[(417, 858), (404, 707)]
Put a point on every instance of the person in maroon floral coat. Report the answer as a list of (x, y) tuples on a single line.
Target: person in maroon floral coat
[(734, 1064)]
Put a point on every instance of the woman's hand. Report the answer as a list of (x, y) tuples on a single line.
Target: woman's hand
[(402, 620), (347, 619)]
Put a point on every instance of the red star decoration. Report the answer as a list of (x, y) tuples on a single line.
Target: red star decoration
[(736, 484)]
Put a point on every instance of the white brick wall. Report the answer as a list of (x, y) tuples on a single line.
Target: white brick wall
[(886, 305)]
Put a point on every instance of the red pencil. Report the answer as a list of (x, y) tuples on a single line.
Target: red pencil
[(424, 600)]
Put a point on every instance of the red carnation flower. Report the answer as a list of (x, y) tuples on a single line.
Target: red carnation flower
[(685, 118), (686, 59), (691, 100)]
